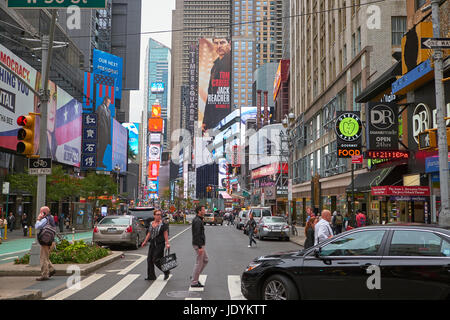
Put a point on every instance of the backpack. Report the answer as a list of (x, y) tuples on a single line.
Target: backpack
[(46, 235), (339, 220)]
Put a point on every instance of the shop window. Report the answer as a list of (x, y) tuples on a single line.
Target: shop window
[(418, 243)]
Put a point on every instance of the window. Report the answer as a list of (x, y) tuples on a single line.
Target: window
[(356, 92), (418, 243), (364, 243), (398, 25)]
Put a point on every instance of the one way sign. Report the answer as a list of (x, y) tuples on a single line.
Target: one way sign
[(435, 43)]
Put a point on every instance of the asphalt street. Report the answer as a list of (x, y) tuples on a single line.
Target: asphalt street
[(124, 279)]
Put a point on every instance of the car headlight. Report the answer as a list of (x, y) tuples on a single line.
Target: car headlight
[(253, 265)]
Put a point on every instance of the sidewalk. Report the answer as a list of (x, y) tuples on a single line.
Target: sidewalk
[(300, 239), (17, 234), (17, 281)]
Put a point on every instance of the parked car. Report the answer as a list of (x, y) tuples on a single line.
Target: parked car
[(258, 213), (413, 262), (119, 230), (273, 227), (241, 219), (143, 214)]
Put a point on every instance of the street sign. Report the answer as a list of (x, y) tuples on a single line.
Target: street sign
[(40, 166), (55, 4), (5, 188), (357, 159), (435, 43)]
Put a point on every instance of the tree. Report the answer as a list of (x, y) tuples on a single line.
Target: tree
[(96, 185)]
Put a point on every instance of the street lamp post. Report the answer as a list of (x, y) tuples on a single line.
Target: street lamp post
[(117, 171), (287, 123)]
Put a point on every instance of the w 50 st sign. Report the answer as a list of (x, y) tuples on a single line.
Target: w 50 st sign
[(37, 4)]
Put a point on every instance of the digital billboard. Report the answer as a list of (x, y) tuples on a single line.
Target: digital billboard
[(108, 64), (133, 136), (157, 87), (213, 82), (119, 146), (155, 125)]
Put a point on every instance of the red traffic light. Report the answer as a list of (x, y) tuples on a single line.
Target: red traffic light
[(22, 121)]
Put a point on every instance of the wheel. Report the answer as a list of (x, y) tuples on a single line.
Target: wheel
[(279, 287)]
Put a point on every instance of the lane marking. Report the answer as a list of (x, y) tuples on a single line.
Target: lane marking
[(15, 257), (155, 289), (234, 288), (72, 290), (118, 287), (202, 280), (179, 233), (133, 265)]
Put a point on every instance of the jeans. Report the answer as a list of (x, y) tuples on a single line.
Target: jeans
[(250, 237), (200, 264), (2, 232)]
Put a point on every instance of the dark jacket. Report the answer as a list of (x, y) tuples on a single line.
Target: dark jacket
[(159, 240), (251, 225), (198, 232), (309, 241)]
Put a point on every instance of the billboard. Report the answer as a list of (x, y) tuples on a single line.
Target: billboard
[(155, 125), (156, 111), (382, 127), (119, 146), (193, 88), (154, 152), (157, 87), (213, 82), (155, 138), (108, 64), (153, 170), (133, 136)]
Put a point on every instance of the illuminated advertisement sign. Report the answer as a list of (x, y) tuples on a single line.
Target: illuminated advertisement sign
[(133, 136), (155, 125), (157, 87), (154, 152), (156, 111), (213, 82), (153, 170), (348, 130)]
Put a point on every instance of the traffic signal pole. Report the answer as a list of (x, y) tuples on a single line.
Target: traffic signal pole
[(47, 46), (444, 216)]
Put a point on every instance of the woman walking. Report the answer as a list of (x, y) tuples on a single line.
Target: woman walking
[(251, 226), (309, 233), (157, 234), (3, 223), (25, 224)]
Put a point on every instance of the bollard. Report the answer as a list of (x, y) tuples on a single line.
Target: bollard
[(73, 235), (30, 232), (6, 232)]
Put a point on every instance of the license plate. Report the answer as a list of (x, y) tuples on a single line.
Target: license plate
[(112, 230)]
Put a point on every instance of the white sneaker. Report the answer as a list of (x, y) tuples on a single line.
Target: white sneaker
[(249, 246)]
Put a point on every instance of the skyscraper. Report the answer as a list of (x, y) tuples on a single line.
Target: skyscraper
[(157, 81), (197, 19), (257, 40)]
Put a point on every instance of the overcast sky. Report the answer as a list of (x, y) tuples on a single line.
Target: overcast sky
[(156, 16)]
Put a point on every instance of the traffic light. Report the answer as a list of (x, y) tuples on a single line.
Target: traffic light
[(25, 136)]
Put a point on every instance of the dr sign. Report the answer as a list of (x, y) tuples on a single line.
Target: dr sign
[(424, 118)]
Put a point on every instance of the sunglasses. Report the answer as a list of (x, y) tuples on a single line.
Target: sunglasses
[(157, 214)]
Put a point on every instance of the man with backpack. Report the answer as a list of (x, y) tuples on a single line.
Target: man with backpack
[(338, 222), (46, 228)]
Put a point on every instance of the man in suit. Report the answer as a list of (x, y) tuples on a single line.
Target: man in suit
[(104, 130)]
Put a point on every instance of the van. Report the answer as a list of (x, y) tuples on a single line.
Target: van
[(242, 219)]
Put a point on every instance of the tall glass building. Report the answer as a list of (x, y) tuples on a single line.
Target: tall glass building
[(157, 82)]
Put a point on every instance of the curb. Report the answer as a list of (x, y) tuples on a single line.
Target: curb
[(22, 295), (13, 270)]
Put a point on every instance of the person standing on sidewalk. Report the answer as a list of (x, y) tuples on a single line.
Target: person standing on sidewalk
[(323, 229), (3, 223), (158, 235), (25, 224), (198, 242), (11, 221), (309, 233), (251, 226), (44, 218)]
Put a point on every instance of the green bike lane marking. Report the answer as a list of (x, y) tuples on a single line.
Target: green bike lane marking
[(24, 245)]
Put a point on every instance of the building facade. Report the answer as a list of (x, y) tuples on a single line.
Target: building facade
[(336, 51)]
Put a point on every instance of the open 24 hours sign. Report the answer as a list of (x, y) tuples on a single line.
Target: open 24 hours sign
[(348, 131)]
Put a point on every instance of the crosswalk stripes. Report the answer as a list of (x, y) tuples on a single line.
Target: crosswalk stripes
[(155, 289), (118, 287), (234, 288), (74, 289), (152, 293)]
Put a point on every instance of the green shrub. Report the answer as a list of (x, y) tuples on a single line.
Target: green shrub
[(66, 253)]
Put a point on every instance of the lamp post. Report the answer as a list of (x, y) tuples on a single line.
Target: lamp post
[(287, 123), (117, 171)]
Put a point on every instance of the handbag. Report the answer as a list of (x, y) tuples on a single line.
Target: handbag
[(168, 261)]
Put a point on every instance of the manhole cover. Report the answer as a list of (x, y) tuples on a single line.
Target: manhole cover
[(183, 294)]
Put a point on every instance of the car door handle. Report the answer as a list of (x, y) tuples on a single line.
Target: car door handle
[(347, 263)]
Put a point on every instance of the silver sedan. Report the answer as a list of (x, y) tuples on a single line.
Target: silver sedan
[(119, 230), (273, 227)]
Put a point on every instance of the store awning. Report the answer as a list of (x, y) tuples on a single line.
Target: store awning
[(225, 195), (387, 176)]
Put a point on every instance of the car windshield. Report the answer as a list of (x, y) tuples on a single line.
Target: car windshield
[(275, 220), (256, 213), (115, 221)]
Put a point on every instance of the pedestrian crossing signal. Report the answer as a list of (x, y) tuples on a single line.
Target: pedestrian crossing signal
[(25, 135)]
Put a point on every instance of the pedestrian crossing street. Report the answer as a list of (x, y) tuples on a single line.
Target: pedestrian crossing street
[(154, 291)]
